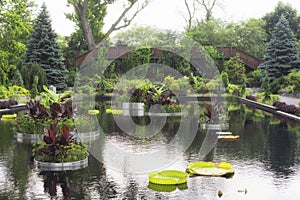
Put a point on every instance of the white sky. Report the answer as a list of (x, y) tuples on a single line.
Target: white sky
[(166, 14)]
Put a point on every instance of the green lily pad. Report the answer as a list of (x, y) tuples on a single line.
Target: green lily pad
[(210, 169), (168, 177), (166, 188)]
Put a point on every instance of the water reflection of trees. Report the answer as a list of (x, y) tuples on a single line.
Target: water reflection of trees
[(91, 182), (16, 159), (262, 138), (282, 147)]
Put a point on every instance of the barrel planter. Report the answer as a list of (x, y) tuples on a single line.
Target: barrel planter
[(34, 138), (154, 114), (27, 137), (89, 136), (216, 127), (48, 166), (131, 108), (130, 105)]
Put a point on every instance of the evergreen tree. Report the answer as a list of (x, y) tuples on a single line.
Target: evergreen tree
[(281, 53), (34, 88), (236, 70), (43, 48), (31, 70)]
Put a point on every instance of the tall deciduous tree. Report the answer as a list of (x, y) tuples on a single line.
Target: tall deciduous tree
[(198, 7), (43, 49), (15, 27), (87, 15), (289, 13), (281, 53)]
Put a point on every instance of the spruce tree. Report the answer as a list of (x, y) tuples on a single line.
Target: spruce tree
[(43, 49), (281, 53)]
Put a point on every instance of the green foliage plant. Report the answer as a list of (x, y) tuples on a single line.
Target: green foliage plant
[(48, 97), (13, 92), (294, 81), (34, 89)]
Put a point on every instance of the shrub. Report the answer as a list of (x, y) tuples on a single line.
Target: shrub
[(7, 104), (251, 97), (294, 80), (282, 106)]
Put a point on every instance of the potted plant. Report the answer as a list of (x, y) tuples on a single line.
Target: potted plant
[(60, 150), (29, 126)]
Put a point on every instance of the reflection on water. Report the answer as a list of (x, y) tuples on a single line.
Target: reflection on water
[(265, 159)]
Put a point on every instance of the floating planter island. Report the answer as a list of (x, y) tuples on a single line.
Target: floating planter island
[(49, 166)]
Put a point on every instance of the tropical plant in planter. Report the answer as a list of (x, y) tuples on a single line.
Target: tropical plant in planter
[(59, 146), (39, 117)]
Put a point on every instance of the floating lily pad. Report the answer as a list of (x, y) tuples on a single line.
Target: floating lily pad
[(9, 116), (93, 112), (166, 188), (210, 169), (168, 177)]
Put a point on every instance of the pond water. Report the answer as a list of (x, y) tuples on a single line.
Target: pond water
[(265, 159)]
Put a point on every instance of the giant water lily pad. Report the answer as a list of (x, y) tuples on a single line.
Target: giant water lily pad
[(210, 169), (167, 188), (168, 177)]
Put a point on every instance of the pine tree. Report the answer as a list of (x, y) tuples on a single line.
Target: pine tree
[(43, 48), (281, 53)]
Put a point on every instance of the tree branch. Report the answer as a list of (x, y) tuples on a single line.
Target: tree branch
[(115, 27)]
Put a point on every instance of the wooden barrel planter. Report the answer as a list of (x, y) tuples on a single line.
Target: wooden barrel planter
[(48, 166)]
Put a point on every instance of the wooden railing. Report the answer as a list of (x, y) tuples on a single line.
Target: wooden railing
[(247, 58), (117, 52)]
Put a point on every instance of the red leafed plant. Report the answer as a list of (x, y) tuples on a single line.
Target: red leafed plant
[(59, 146)]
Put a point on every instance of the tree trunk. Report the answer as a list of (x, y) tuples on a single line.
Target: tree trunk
[(82, 8)]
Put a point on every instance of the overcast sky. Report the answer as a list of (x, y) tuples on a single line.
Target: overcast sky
[(166, 14)]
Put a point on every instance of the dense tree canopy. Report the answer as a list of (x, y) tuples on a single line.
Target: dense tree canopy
[(15, 27), (247, 35), (281, 53), (42, 48), (146, 36), (289, 13)]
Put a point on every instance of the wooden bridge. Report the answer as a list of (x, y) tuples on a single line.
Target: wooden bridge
[(249, 60), (117, 52)]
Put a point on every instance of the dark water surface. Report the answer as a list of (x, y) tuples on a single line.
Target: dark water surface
[(265, 159)]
